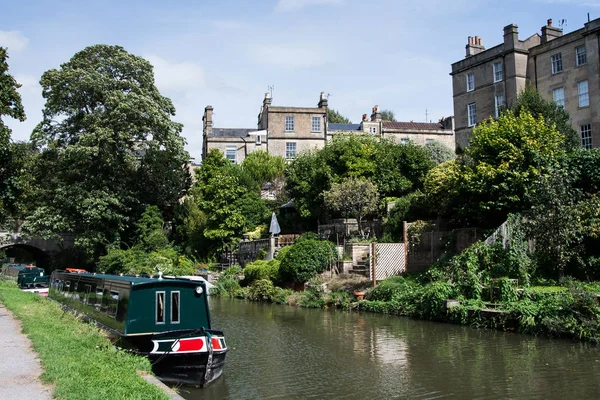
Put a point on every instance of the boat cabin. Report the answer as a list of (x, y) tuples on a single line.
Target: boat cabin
[(131, 306)]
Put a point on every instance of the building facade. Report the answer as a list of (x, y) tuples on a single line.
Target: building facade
[(288, 131), (563, 68)]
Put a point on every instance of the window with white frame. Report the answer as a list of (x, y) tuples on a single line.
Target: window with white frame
[(230, 152), (429, 140), (582, 91), (580, 55), (470, 82), (404, 140), (290, 150), (289, 123), (472, 114), (586, 136), (498, 104), (258, 140), (497, 71), (160, 307), (556, 63), (316, 124), (558, 95), (175, 307), (373, 129)]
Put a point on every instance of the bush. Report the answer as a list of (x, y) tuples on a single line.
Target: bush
[(226, 286), (261, 269), (387, 288), (306, 259), (262, 290)]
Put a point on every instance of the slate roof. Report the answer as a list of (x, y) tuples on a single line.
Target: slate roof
[(231, 132), (414, 126), (343, 127)]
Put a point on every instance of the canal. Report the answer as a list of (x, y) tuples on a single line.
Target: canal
[(282, 352)]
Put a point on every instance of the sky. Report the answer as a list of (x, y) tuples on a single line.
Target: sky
[(393, 53)]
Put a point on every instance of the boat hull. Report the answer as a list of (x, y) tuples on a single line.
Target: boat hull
[(188, 359)]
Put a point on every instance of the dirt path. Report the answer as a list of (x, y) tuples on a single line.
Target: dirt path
[(19, 366)]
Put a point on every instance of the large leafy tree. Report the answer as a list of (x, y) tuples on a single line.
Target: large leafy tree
[(226, 206), (334, 117), (10, 106), (530, 101), (388, 115), (109, 146), (497, 173), (263, 167), (394, 168)]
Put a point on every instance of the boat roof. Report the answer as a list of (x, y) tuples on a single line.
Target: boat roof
[(134, 280)]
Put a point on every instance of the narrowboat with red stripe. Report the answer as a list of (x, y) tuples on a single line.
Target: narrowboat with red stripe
[(164, 319)]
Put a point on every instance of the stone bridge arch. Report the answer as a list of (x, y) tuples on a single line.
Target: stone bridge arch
[(41, 257)]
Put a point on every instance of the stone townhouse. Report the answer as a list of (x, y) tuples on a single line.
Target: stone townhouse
[(288, 131), (563, 68)]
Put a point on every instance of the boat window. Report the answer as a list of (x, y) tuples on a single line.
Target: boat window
[(174, 307), (114, 302), (160, 307), (98, 298), (86, 297), (67, 286)]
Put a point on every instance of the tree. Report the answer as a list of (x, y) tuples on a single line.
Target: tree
[(439, 153), (388, 115), (334, 117), (110, 149), (353, 197), (263, 167), (10, 106), (224, 207), (530, 101), (496, 174)]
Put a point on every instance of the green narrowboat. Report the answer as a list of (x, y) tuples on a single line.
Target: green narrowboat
[(164, 319), (26, 276)]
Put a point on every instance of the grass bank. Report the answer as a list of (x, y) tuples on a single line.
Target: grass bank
[(78, 360)]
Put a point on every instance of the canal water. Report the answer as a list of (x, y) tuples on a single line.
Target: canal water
[(282, 352)]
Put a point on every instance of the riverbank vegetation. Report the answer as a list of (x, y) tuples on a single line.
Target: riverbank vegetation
[(78, 360)]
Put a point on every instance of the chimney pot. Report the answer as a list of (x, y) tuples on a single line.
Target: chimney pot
[(479, 42), (476, 39), (364, 117), (550, 22)]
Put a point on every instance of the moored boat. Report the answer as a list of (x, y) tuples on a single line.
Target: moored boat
[(166, 320), (26, 276)]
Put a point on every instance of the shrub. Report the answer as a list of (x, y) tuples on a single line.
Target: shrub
[(226, 286), (387, 288), (261, 269), (307, 259), (262, 290)]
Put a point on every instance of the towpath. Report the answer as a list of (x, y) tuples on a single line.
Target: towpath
[(19, 366)]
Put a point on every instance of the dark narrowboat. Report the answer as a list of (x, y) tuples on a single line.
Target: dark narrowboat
[(166, 320), (26, 276)]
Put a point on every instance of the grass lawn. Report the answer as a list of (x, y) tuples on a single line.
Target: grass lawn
[(78, 360)]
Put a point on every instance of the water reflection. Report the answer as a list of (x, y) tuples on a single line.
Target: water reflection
[(282, 352)]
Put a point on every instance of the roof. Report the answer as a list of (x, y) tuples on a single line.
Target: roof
[(343, 127), (232, 132), (135, 280), (414, 126)]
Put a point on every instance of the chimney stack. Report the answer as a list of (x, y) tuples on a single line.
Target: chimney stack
[(550, 32), (207, 120), (267, 100), (376, 115), (474, 46), (322, 101), (511, 36)]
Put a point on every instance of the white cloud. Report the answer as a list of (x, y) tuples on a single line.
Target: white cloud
[(290, 56), (171, 76), (290, 5), (13, 40)]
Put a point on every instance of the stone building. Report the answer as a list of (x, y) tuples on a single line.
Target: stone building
[(288, 131), (563, 68)]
